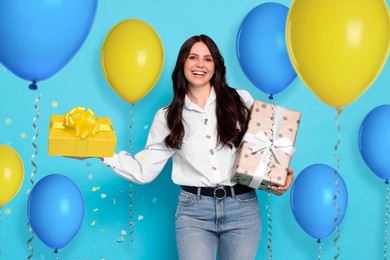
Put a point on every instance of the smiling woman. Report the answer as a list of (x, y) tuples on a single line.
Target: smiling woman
[(201, 130)]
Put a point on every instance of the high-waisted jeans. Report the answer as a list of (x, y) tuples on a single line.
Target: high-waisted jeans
[(207, 227)]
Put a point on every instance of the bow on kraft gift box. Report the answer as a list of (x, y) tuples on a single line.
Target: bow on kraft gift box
[(267, 147), (79, 133)]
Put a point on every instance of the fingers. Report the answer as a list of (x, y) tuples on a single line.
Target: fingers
[(279, 190)]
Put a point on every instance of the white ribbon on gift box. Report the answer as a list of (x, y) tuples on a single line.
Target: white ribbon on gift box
[(260, 141)]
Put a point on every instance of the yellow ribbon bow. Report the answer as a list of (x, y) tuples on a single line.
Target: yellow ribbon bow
[(83, 121)]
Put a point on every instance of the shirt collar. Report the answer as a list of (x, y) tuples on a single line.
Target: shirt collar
[(189, 105)]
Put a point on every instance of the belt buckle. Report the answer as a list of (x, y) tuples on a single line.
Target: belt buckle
[(216, 191)]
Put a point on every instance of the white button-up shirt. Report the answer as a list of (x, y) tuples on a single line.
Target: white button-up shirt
[(199, 162)]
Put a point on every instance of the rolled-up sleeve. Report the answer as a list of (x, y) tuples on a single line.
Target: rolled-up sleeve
[(147, 164)]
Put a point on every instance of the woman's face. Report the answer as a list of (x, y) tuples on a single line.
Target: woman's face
[(199, 66)]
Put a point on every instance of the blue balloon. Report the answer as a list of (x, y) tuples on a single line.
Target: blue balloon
[(39, 37), (374, 141), (262, 50), (55, 210), (312, 200)]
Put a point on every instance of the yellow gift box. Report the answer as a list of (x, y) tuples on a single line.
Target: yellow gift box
[(80, 134)]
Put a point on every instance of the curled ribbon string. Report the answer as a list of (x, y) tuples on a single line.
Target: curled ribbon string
[(131, 206), (319, 249), (34, 87), (1, 234), (276, 120), (269, 221), (337, 170), (386, 218)]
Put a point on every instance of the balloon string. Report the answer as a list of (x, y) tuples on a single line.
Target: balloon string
[(33, 86), (29, 241), (319, 249), (58, 253), (1, 234), (386, 218), (131, 206), (35, 137), (269, 211), (336, 219), (269, 245)]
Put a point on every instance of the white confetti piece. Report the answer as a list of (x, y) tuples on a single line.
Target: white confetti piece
[(103, 196), (140, 217), (123, 232), (90, 176)]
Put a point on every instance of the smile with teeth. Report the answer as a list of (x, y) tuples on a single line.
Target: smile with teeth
[(200, 73)]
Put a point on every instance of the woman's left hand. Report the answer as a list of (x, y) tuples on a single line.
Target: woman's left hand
[(282, 189)]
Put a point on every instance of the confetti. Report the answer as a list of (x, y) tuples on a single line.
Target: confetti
[(154, 200), (90, 176), (103, 196), (8, 121), (95, 210), (54, 104), (146, 127), (96, 188), (102, 230), (23, 135), (140, 217), (7, 211), (123, 232), (114, 201), (93, 222), (120, 240)]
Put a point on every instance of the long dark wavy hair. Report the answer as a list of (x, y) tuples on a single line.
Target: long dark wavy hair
[(231, 112)]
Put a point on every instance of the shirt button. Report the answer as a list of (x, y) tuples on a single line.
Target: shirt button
[(213, 168)]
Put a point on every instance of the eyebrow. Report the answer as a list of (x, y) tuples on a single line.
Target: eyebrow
[(208, 55)]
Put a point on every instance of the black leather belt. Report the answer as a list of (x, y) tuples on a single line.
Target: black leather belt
[(219, 192)]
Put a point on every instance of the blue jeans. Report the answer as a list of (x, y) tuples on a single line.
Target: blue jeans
[(206, 226)]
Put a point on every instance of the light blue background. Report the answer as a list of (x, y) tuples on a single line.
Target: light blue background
[(81, 83)]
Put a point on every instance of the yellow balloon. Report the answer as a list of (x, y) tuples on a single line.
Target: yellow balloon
[(338, 47), (132, 59), (11, 174)]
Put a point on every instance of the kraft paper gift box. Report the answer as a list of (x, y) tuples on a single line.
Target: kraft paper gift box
[(80, 134), (267, 147)]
